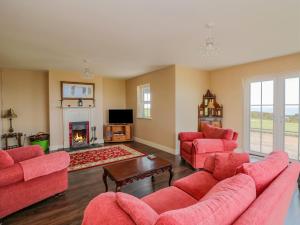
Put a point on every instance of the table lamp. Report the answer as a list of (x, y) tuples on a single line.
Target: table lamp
[(10, 114)]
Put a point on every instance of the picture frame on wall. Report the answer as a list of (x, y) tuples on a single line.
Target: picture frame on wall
[(77, 90)]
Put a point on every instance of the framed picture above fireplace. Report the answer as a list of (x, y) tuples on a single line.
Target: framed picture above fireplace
[(77, 90)]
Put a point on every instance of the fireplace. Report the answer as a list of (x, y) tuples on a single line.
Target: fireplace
[(79, 134)]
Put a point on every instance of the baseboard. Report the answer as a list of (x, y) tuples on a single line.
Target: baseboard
[(155, 145), (55, 147)]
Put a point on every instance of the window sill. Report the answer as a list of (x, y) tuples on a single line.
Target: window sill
[(145, 118)]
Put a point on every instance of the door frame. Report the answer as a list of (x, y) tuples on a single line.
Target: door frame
[(278, 109)]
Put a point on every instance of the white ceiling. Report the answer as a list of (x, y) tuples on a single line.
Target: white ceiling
[(123, 38)]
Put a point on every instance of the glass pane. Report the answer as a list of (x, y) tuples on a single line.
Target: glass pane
[(291, 145), (254, 141), (255, 93), (291, 119), (292, 91), (267, 92), (266, 141), (267, 118), (255, 123)]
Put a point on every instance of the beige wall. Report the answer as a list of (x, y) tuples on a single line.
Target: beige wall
[(26, 91), (190, 85), (55, 112), (161, 128), (114, 95), (228, 85)]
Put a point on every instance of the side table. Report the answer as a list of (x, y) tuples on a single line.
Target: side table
[(17, 136)]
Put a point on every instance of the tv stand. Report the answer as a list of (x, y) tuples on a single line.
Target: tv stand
[(118, 132)]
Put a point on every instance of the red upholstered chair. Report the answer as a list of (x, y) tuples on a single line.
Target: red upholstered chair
[(28, 176), (195, 147)]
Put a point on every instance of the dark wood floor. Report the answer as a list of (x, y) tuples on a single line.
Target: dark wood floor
[(84, 185)]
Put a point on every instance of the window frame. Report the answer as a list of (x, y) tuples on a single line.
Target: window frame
[(141, 102)]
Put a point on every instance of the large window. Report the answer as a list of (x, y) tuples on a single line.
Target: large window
[(273, 116), (144, 101)]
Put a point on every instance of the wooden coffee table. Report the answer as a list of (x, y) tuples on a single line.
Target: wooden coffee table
[(135, 169)]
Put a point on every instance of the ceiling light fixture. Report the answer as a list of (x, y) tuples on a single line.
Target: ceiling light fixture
[(209, 47), (87, 73)]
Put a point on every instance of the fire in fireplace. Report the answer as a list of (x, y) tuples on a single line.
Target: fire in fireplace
[(79, 134)]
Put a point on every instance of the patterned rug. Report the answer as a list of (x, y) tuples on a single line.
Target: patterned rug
[(87, 158)]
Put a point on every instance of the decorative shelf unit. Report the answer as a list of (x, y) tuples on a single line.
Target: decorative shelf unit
[(210, 111), (118, 132)]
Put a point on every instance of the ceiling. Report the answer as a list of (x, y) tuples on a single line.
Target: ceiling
[(124, 38)]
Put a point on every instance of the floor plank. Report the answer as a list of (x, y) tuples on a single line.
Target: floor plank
[(84, 185)]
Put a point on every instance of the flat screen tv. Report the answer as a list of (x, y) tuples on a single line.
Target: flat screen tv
[(120, 116)]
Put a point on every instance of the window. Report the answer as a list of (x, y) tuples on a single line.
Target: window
[(144, 101), (273, 115)]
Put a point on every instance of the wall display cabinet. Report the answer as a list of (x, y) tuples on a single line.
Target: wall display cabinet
[(210, 111)]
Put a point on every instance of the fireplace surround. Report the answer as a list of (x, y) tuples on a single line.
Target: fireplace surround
[(79, 134)]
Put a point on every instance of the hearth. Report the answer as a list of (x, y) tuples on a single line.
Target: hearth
[(79, 134)]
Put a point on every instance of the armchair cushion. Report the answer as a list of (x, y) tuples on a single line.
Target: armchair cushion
[(216, 132), (208, 145), (227, 163), (44, 165), (264, 171), (26, 152), (11, 175), (5, 160), (139, 211)]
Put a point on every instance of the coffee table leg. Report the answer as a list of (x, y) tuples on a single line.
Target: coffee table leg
[(171, 175), (118, 187), (105, 180), (152, 178)]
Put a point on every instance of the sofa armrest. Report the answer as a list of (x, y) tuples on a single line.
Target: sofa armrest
[(26, 152), (104, 209), (11, 175), (189, 136), (45, 164)]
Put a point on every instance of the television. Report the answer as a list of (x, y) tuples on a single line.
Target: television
[(120, 116)]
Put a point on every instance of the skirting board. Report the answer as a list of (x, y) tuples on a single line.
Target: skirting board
[(155, 145)]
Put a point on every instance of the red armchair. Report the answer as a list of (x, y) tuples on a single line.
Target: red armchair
[(195, 147), (28, 176)]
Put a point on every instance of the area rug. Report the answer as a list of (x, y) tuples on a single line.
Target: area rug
[(87, 158)]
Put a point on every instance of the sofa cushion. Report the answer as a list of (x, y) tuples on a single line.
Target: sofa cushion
[(169, 198), (264, 171), (187, 146), (197, 184), (222, 205), (139, 211), (209, 164), (216, 132), (5, 160), (11, 175), (227, 163)]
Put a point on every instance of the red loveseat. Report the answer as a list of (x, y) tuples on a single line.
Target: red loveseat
[(258, 195), (195, 147), (28, 176)]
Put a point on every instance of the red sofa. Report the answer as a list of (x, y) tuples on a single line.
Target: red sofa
[(195, 147), (28, 176), (259, 194)]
